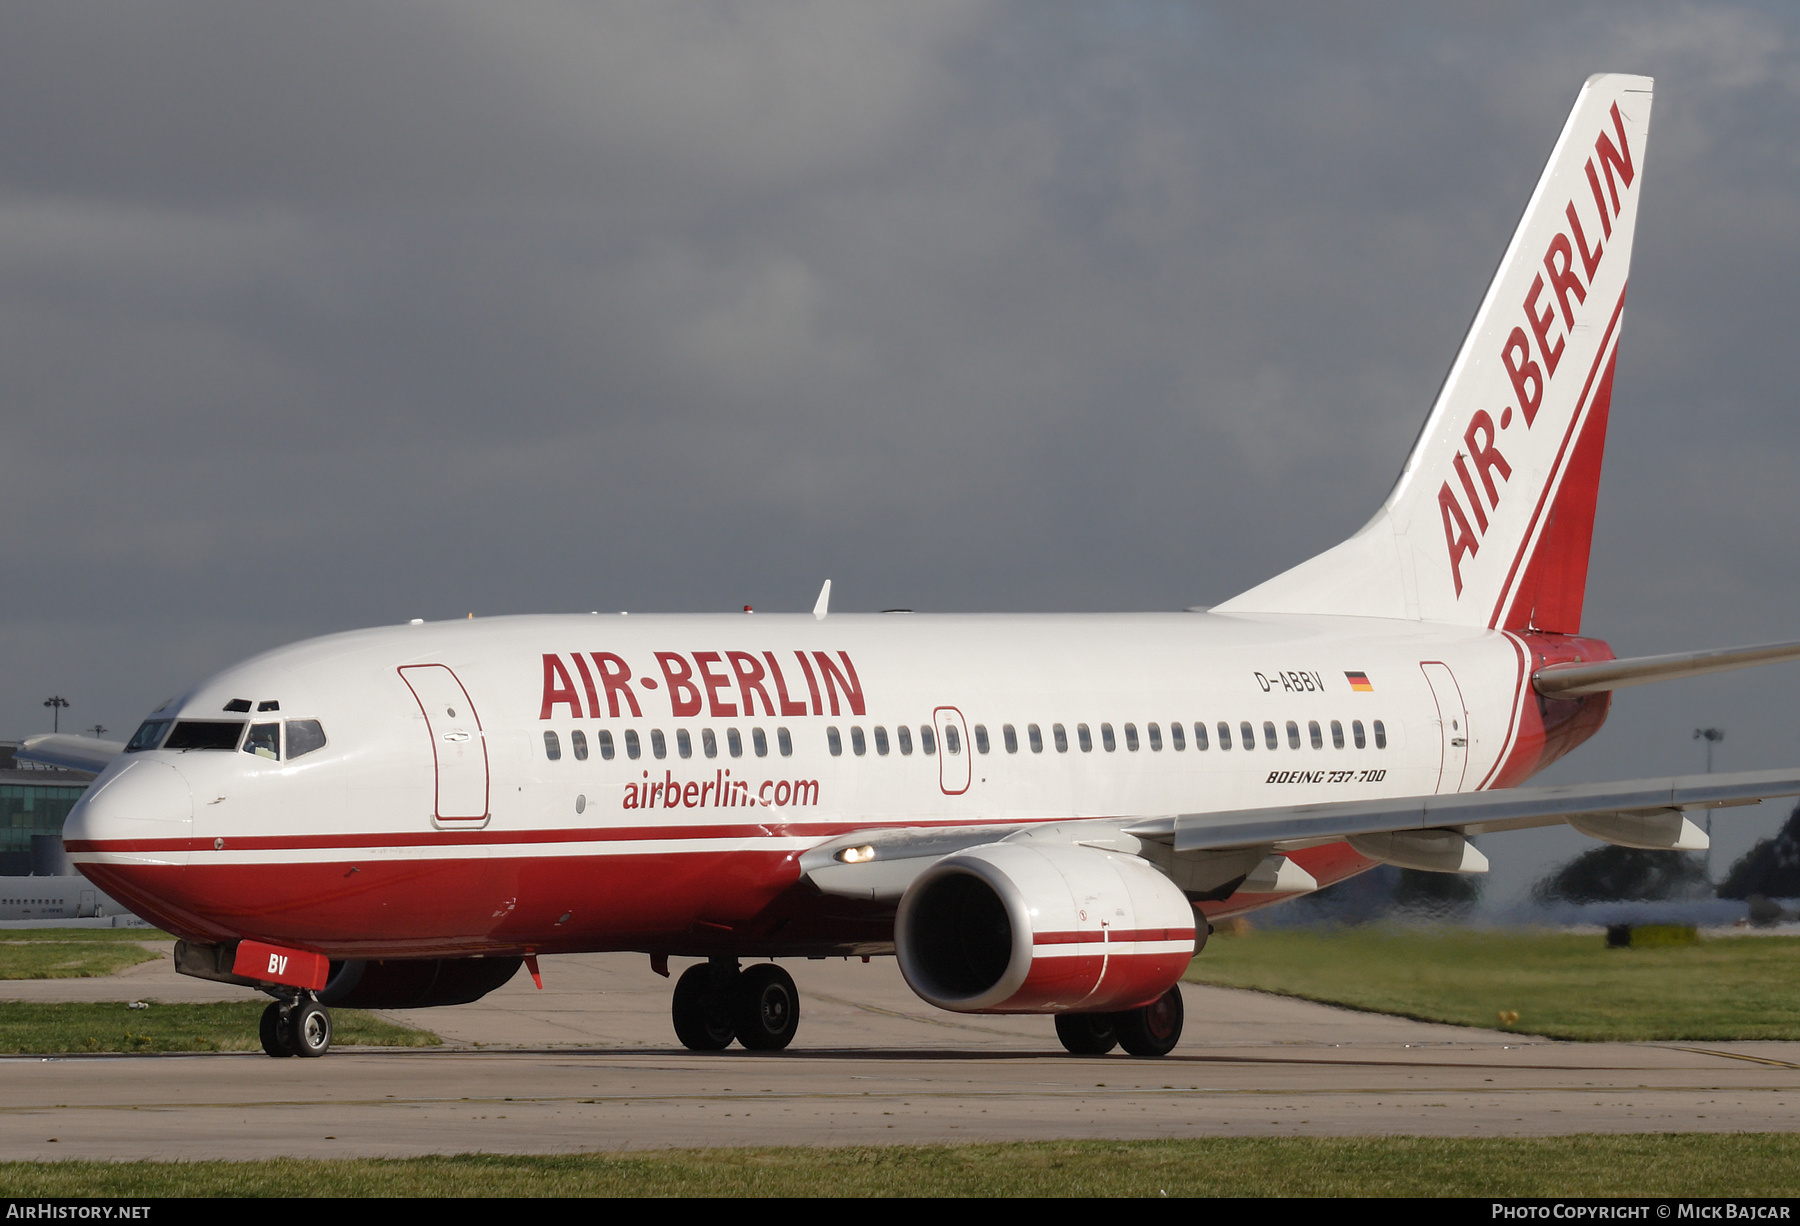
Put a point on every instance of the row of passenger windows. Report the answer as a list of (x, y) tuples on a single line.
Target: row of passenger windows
[(659, 744), (734, 742), (1009, 735), (1153, 734)]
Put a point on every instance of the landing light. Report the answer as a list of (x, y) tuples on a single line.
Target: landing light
[(857, 855)]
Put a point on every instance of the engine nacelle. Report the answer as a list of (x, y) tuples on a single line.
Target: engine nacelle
[(1030, 928), (415, 983)]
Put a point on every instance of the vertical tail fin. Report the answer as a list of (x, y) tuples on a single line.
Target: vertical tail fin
[(1490, 521)]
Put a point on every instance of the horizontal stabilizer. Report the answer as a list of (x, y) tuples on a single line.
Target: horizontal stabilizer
[(76, 753), (1574, 680)]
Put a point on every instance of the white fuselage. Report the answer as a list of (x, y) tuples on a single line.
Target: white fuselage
[(421, 799)]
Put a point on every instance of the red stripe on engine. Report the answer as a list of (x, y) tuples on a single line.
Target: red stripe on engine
[(1096, 935)]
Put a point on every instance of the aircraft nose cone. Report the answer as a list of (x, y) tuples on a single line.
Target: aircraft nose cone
[(145, 800)]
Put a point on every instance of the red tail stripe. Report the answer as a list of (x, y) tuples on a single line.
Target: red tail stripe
[(1512, 719), (1556, 468)]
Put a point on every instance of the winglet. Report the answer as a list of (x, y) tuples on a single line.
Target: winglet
[(823, 606)]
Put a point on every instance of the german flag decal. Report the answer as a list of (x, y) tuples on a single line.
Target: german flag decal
[(1360, 683)]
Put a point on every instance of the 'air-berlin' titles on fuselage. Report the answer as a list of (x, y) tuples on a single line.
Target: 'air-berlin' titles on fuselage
[(1530, 369), (722, 684)]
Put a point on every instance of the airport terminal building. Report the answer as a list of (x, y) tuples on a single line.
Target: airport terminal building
[(37, 883), (34, 800)]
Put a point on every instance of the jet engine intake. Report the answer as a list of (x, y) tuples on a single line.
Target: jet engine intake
[(1030, 928)]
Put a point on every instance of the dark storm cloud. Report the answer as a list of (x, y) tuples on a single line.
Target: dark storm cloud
[(316, 316)]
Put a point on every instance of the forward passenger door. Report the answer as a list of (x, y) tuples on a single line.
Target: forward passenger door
[(458, 745)]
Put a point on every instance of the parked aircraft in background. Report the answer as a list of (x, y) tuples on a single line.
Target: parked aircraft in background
[(54, 898), (1037, 814)]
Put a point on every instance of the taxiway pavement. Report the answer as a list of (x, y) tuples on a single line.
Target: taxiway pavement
[(590, 1063)]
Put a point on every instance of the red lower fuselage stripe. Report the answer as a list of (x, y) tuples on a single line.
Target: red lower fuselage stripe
[(490, 838), (378, 908)]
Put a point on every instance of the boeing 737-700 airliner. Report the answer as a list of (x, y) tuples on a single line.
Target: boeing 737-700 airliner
[(1036, 814)]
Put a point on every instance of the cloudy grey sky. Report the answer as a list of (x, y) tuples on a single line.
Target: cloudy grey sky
[(314, 317)]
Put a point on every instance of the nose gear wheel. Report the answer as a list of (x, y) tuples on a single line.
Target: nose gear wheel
[(295, 1028)]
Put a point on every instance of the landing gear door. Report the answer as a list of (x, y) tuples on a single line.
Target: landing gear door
[(458, 745), (954, 767), (1453, 723)]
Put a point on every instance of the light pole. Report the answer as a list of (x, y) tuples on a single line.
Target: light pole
[(97, 731), (1712, 736), (56, 703)]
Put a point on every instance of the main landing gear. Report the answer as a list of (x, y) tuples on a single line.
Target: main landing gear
[(715, 1002), (1152, 1030), (299, 1026)]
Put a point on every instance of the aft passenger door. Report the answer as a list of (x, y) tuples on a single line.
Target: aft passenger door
[(1453, 724), (954, 767), (458, 745)]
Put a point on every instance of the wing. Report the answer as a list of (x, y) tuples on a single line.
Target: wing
[(1426, 832), (1467, 812)]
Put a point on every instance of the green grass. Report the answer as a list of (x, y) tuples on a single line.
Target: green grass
[(1752, 1164), (73, 953), (1561, 985), (21, 936), (69, 959), (69, 1028)]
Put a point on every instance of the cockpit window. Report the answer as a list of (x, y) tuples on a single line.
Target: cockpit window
[(204, 734), (304, 736), (148, 736), (264, 741)]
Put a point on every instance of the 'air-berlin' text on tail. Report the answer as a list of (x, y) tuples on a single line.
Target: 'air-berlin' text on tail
[(1491, 519)]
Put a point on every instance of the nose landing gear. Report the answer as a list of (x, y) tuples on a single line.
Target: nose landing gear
[(715, 1002), (296, 1027)]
